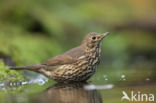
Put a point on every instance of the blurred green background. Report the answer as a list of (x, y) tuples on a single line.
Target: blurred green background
[(31, 31)]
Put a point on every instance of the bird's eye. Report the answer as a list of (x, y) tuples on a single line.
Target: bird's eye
[(93, 38)]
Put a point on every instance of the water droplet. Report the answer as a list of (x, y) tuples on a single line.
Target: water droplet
[(147, 79), (106, 79), (123, 76), (23, 83), (1, 84), (124, 79)]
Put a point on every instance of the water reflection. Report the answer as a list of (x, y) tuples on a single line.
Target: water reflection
[(69, 93)]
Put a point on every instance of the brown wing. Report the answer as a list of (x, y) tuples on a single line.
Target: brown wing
[(59, 60), (66, 58)]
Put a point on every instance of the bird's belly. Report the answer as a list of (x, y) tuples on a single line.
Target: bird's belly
[(79, 71)]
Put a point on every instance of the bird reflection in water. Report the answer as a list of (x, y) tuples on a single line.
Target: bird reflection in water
[(69, 93)]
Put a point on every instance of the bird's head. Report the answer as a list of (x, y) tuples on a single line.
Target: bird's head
[(93, 39)]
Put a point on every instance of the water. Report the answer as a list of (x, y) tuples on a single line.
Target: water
[(106, 86)]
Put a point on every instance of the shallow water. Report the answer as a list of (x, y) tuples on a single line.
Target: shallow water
[(106, 86)]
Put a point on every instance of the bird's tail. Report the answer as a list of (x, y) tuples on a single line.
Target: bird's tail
[(32, 67)]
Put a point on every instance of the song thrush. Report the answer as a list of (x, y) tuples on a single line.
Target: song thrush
[(77, 64)]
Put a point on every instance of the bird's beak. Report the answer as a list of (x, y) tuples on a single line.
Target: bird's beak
[(104, 35)]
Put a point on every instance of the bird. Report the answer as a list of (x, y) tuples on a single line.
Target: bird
[(69, 93), (75, 65)]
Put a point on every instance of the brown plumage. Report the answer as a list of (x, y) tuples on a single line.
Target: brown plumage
[(77, 64)]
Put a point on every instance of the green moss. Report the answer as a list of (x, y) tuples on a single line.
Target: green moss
[(26, 48), (9, 75)]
